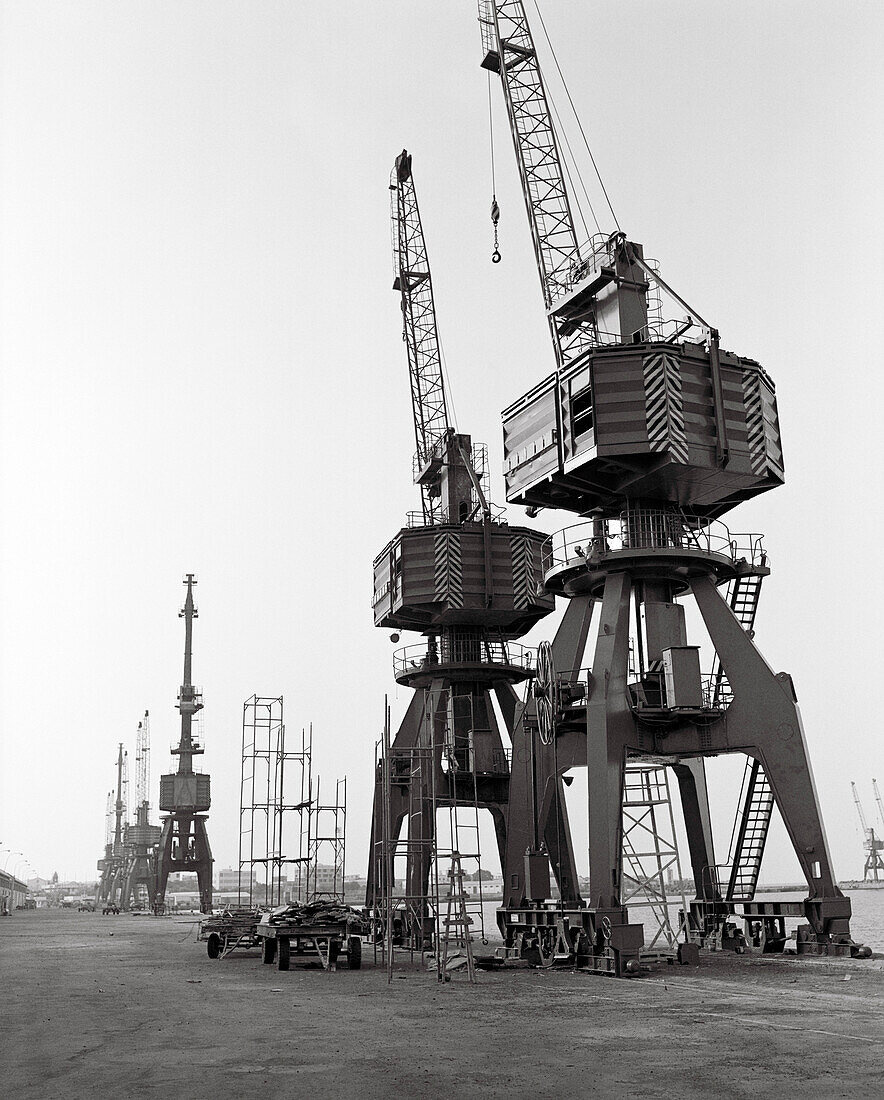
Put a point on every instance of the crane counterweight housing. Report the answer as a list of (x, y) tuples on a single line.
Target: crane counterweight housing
[(461, 574), (637, 421)]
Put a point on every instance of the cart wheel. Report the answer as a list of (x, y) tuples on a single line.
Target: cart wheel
[(354, 952), (268, 950), (284, 953), (213, 946)]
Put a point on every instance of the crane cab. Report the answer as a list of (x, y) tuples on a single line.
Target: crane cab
[(638, 422)]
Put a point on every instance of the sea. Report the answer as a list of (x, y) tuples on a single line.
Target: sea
[(866, 925)]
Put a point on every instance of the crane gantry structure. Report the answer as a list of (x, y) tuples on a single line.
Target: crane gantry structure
[(469, 583), (651, 436)]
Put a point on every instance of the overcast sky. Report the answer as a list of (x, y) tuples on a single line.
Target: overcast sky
[(202, 370)]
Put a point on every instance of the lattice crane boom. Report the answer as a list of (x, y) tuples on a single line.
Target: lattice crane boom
[(859, 810), (441, 452), (414, 282), (506, 35), (142, 761), (880, 804), (109, 819)]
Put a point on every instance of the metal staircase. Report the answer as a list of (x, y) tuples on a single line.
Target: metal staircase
[(750, 833), (742, 598)]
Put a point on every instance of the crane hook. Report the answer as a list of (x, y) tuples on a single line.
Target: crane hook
[(495, 218)]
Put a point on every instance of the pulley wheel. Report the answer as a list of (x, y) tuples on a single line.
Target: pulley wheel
[(547, 694)]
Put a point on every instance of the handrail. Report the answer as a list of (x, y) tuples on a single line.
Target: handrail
[(592, 540), (464, 649)]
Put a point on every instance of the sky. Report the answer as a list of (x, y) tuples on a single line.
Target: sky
[(201, 366)]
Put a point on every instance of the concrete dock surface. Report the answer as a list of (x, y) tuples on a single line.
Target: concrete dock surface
[(131, 1006)]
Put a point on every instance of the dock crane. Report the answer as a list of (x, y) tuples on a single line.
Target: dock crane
[(106, 863), (140, 879), (872, 844), (465, 580), (186, 794), (651, 431)]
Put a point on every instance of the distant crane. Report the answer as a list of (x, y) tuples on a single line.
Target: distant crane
[(140, 878), (872, 844), (185, 795), (105, 864), (113, 864), (878, 800)]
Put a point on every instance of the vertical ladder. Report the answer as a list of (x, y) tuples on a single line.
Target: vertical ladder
[(742, 599), (461, 795), (456, 927), (750, 828)]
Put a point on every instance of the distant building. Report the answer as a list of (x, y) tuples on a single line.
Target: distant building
[(228, 880), (12, 892)]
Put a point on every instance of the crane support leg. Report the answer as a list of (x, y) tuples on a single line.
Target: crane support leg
[(691, 776), (609, 729), (406, 738), (764, 721), (534, 764)]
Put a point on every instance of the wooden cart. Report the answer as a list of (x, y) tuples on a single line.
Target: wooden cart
[(285, 939), (229, 930)]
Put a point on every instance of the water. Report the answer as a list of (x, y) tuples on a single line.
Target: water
[(866, 925)]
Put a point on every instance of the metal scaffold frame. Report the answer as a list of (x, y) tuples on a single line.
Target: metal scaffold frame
[(432, 901), (651, 865), (276, 804), (327, 837)]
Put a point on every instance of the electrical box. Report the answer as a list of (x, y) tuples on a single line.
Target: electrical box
[(681, 670), (537, 882)]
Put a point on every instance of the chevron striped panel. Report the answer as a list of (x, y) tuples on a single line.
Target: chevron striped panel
[(448, 567), (523, 569), (664, 406), (754, 423)]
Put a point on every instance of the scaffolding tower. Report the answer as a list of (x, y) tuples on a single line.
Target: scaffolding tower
[(276, 805), (326, 845), (652, 879), (414, 867)]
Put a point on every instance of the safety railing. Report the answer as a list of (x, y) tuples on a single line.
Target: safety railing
[(649, 692), (418, 519), (649, 530), (462, 650)]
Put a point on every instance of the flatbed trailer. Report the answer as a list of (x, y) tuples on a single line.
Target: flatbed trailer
[(224, 933), (326, 941)]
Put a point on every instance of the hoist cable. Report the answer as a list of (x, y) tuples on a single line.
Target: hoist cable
[(449, 400), (567, 171), (495, 209), (491, 136), (576, 116)]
